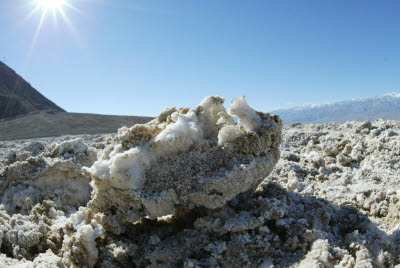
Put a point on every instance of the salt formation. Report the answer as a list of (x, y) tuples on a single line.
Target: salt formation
[(53, 174), (184, 158), (354, 164), (332, 200)]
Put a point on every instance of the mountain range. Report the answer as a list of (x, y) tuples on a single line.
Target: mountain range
[(385, 107)]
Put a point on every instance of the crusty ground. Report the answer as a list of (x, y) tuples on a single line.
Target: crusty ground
[(331, 201)]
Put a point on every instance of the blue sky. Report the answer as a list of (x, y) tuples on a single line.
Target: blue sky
[(137, 57)]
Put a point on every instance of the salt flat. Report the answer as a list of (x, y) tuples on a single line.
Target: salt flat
[(331, 200)]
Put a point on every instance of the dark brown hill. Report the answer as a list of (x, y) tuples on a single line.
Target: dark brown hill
[(18, 97)]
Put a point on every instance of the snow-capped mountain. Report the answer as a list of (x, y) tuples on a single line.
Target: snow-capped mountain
[(386, 107)]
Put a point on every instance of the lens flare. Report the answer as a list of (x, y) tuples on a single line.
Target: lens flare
[(45, 7), (50, 4)]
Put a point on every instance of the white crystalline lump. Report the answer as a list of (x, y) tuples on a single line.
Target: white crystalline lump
[(228, 133), (129, 167), (125, 169), (247, 117), (248, 120), (23, 232), (44, 260), (182, 134), (212, 106), (4, 224), (87, 235), (79, 243), (20, 197), (74, 146)]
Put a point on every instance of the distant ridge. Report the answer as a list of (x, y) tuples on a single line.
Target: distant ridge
[(18, 97), (386, 107)]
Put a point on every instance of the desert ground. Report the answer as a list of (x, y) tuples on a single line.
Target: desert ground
[(54, 123), (332, 200)]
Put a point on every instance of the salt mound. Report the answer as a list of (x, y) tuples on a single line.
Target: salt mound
[(184, 158)]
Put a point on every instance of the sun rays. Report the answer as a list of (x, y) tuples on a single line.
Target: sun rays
[(56, 8)]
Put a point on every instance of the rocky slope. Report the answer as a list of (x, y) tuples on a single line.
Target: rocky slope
[(331, 201), (18, 97)]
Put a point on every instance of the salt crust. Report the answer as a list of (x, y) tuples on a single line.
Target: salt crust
[(331, 201)]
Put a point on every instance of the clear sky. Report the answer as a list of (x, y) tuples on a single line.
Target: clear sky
[(137, 57)]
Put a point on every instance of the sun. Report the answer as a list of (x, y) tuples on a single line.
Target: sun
[(57, 8), (50, 4)]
